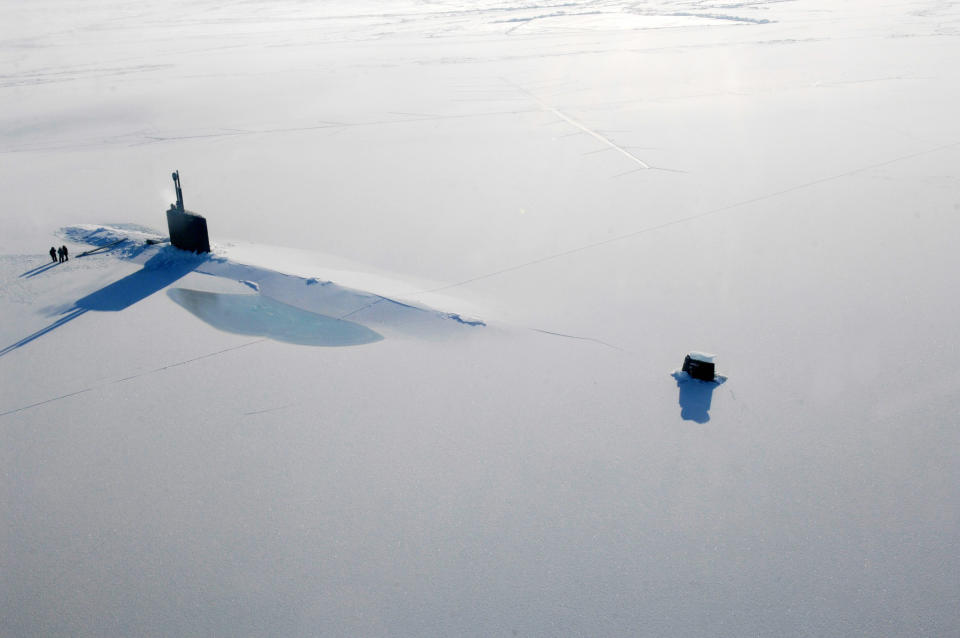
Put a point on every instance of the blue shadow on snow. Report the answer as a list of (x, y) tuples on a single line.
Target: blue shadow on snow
[(157, 273), (137, 286), (39, 270), (696, 396)]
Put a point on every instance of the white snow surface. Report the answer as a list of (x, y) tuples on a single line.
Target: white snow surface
[(302, 434), (702, 356)]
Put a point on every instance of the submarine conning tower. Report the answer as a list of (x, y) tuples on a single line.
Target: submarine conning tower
[(188, 230)]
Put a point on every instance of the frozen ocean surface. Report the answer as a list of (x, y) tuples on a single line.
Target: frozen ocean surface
[(541, 208)]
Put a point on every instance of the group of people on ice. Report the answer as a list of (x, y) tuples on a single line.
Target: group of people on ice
[(59, 255)]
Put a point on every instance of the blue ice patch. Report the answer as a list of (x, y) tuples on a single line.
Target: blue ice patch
[(261, 316)]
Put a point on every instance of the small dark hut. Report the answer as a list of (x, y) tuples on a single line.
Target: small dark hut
[(700, 366)]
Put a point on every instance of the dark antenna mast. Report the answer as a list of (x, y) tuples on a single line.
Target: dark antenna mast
[(176, 182)]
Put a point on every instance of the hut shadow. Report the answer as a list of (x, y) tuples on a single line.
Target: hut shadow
[(696, 396), (157, 273)]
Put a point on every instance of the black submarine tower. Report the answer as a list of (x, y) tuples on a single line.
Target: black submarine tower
[(188, 230)]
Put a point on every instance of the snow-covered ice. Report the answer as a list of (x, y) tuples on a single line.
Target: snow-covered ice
[(504, 223)]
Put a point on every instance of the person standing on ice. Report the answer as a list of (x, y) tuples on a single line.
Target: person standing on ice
[(66, 255), (53, 253), (60, 254)]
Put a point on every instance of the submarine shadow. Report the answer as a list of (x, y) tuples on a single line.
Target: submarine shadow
[(157, 273), (123, 293)]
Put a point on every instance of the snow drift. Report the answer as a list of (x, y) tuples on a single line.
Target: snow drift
[(270, 303)]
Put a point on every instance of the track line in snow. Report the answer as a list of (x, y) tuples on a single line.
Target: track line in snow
[(561, 334), (45, 401), (269, 410), (572, 122), (689, 218), (361, 308), (601, 150), (185, 362), (130, 378), (333, 127), (625, 173), (669, 170)]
